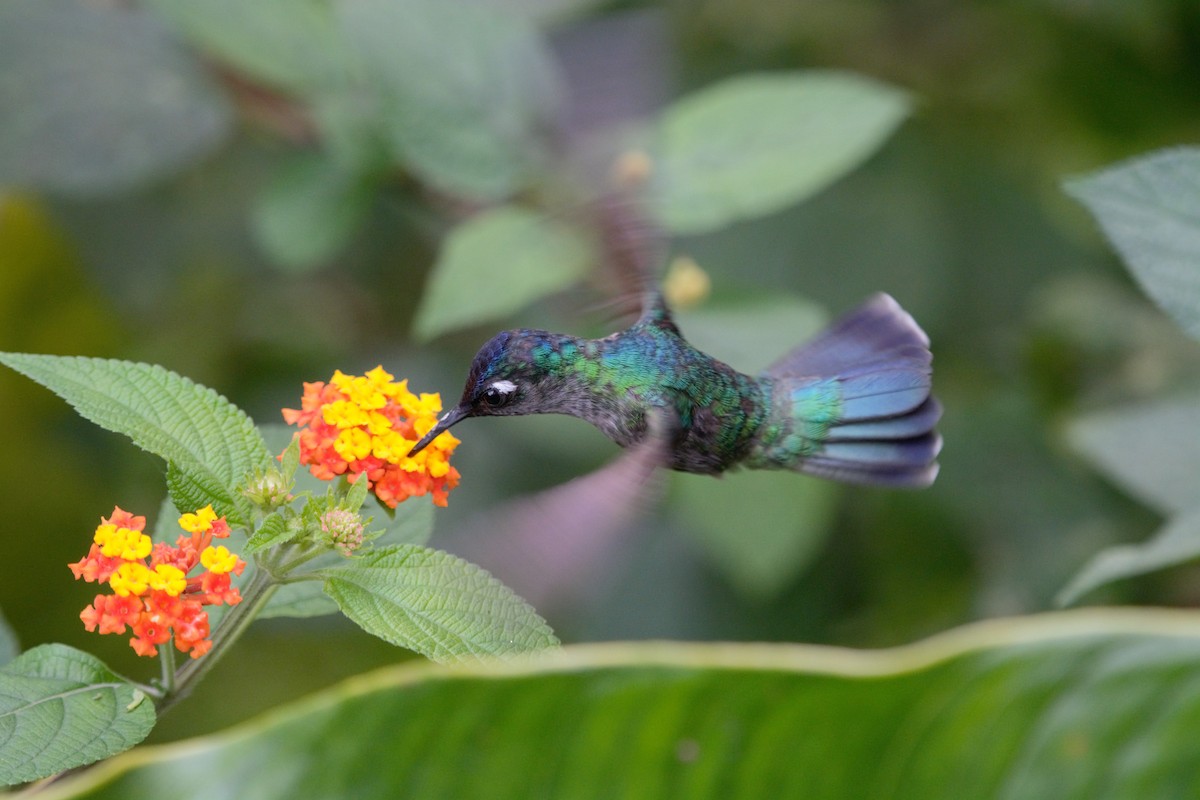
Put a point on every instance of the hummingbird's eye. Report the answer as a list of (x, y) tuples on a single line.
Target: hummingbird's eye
[(498, 394), (495, 398)]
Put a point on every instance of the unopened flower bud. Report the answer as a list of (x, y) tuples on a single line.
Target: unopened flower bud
[(343, 529), (268, 490)]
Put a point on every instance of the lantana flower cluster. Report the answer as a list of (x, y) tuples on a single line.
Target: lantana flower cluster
[(153, 591), (366, 425)]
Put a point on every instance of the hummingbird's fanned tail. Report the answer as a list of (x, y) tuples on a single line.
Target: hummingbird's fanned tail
[(854, 403)]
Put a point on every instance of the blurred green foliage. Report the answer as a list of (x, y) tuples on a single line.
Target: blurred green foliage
[(722, 721), (256, 254)]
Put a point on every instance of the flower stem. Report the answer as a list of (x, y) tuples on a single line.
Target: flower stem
[(281, 570), (166, 656), (255, 596)]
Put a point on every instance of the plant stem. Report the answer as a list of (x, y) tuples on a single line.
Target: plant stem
[(257, 592), (281, 570), (166, 656)]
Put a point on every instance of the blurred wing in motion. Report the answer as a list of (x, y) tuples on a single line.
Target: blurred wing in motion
[(546, 546)]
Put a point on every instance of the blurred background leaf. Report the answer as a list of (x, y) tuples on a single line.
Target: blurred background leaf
[(96, 100), (1148, 209), (468, 95), (495, 264), (1151, 450), (289, 44), (758, 143), (1177, 543), (310, 211)]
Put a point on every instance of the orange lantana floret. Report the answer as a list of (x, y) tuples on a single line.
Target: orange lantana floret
[(152, 591), (366, 426)]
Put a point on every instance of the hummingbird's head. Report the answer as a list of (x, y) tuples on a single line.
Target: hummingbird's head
[(504, 380)]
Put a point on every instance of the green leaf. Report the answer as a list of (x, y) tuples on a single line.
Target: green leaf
[(99, 99), (1072, 706), (10, 646), (356, 495), (435, 604), (274, 530), (310, 211), (290, 460), (760, 528), (210, 445), (755, 144), (1178, 542), (62, 708), (1149, 208), (292, 44), (495, 264), (1151, 450), (468, 93)]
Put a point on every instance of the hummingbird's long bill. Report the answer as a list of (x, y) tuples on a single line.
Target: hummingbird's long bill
[(448, 419)]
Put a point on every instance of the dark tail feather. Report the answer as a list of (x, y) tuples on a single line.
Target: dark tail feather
[(918, 422), (892, 477), (884, 431)]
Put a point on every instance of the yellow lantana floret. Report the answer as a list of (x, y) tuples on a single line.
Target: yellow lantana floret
[(104, 537), (390, 446), (437, 465), (218, 559), (426, 405), (199, 522), (344, 414), (132, 578), (384, 381), (123, 543), (353, 444), (364, 392), (378, 424), (169, 579)]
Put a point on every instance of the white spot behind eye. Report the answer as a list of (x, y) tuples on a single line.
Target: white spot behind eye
[(504, 387)]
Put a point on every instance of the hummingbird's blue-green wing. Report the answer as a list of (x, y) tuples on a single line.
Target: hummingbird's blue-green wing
[(546, 545), (855, 403)]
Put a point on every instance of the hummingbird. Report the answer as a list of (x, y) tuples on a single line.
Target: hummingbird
[(853, 404)]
